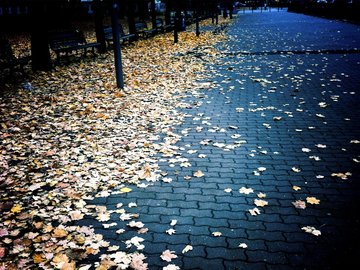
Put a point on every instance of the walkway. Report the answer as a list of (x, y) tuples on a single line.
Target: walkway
[(273, 145)]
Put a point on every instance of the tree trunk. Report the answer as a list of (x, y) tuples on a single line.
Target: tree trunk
[(99, 27), (153, 14), (40, 54), (131, 16)]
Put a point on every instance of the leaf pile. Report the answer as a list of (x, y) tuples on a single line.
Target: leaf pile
[(74, 136)]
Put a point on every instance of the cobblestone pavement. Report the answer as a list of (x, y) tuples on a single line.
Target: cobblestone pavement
[(282, 119)]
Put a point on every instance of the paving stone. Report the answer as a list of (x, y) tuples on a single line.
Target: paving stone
[(200, 263), (277, 258), (201, 206)]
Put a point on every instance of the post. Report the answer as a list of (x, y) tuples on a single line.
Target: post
[(131, 16), (117, 49)]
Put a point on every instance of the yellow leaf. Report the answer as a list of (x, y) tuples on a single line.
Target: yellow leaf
[(296, 188), (312, 200), (16, 208), (261, 195), (217, 234), (38, 258), (125, 190)]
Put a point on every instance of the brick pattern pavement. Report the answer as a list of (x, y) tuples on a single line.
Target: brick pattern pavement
[(237, 115)]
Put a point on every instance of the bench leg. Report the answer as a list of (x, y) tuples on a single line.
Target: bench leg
[(58, 57)]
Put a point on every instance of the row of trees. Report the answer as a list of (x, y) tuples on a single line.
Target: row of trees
[(40, 16), (335, 9)]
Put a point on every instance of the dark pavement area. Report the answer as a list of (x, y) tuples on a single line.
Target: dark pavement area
[(280, 116)]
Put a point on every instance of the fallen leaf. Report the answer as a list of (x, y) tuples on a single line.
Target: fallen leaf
[(59, 233), (136, 224), (254, 212), (245, 190), (170, 231), (261, 195), (2, 252), (17, 208), (216, 234), (137, 262), (132, 205), (296, 188), (171, 267), (167, 180), (76, 215), (173, 222), (187, 249), (243, 245), (320, 145), (228, 190), (294, 169), (125, 190), (38, 258), (311, 230), (106, 226), (260, 203), (198, 174), (168, 255), (299, 204), (343, 176), (135, 241), (312, 200)]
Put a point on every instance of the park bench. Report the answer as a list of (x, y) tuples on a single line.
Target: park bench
[(69, 41), (123, 37), (143, 31), (8, 60), (161, 27)]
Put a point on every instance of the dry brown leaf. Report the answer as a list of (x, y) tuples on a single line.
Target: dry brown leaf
[(168, 255), (59, 233), (38, 258)]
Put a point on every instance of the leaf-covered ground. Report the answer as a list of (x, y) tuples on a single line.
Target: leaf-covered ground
[(70, 135)]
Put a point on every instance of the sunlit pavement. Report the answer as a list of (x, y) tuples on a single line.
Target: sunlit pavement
[(277, 141)]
